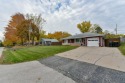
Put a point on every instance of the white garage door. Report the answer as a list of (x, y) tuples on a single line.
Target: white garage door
[(92, 41)]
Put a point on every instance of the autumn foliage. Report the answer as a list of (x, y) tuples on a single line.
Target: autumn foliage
[(27, 29), (11, 31), (58, 35), (84, 26), (21, 29)]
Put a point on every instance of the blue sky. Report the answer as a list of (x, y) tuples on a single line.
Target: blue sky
[(64, 15)]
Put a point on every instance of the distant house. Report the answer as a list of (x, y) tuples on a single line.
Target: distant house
[(85, 39), (48, 42)]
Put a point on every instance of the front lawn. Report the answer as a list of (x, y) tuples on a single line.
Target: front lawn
[(122, 48), (31, 53)]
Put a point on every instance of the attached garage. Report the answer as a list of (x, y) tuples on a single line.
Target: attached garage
[(93, 41)]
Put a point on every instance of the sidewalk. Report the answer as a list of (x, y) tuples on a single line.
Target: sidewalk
[(31, 72)]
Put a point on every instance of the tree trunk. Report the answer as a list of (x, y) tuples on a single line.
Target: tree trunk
[(33, 40), (22, 41)]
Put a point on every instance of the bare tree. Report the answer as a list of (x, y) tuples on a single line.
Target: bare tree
[(38, 21)]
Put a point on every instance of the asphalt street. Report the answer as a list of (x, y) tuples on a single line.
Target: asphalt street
[(82, 72)]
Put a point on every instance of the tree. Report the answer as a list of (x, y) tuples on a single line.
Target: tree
[(106, 32), (98, 29), (84, 26), (43, 34), (26, 29), (95, 29), (37, 20), (1, 43), (19, 26), (34, 32), (10, 30), (109, 35), (58, 35)]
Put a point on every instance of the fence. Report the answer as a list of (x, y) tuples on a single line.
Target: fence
[(56, 43)]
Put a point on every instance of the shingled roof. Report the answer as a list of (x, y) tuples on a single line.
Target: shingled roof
[(83, 35)]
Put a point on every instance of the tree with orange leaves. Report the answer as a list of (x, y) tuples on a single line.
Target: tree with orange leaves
[(58, 35), (10, 30), (23, 28)]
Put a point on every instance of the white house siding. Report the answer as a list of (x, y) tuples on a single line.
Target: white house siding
[(72, 44), (102, 42), (75, 44), (65, 42), (101, 39)]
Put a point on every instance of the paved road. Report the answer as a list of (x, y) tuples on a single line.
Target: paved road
[(83, 72), (102, 56), (31, 72)]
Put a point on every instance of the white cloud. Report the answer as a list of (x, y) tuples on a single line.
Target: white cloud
[(63, 15)]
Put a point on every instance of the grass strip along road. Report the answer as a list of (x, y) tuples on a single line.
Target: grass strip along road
[(122, 48)]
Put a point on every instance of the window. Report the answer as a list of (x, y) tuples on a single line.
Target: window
[(65, 41), (92, 40), (78, 40)]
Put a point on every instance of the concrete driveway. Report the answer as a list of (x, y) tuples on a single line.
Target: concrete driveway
[(31, 72), (102, 56)]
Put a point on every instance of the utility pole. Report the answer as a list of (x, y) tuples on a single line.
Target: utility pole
[(30, 30), (116, 29)]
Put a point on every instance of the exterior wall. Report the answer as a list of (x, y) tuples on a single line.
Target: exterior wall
[(102, 42), (46, 43), (84, 41), (73, 42), (65, 43)]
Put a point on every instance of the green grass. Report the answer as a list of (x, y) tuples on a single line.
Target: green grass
[(122, 48), (31, 53)]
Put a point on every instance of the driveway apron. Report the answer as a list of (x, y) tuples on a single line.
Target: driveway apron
[(101, 56)]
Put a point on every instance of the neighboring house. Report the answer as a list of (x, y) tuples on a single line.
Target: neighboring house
[(48, 42), (85, 39)]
